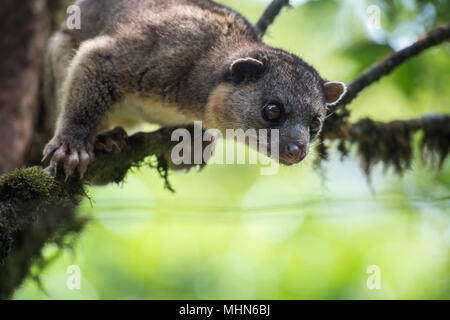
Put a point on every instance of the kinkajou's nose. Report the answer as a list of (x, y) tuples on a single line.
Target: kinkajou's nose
[(296, 152)]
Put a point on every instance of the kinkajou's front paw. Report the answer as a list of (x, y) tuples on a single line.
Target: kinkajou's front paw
[(69, 154)]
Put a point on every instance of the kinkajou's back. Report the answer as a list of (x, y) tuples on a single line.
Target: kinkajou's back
[(105, 16)]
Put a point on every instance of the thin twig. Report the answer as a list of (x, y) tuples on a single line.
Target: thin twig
[(269, 15), (388, 64)]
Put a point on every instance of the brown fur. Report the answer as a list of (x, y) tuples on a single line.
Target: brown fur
[(172, 60)]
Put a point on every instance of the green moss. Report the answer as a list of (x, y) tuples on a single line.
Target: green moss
[(29, 183), (26, 194)]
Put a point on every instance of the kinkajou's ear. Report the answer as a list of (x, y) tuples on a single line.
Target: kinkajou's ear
[(334, 91), (246, 67)]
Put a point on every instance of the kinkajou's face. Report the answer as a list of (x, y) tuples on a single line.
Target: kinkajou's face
[(278, 93)]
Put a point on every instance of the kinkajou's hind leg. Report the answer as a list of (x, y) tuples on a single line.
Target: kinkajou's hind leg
[(112, 141)]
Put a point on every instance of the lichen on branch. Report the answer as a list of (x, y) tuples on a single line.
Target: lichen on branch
[(390, 143)]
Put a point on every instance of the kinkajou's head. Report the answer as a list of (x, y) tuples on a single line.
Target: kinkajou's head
[(272, 89)]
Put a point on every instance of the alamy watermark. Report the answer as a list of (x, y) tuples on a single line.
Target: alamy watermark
[(73, 21), (374, 280), (373, 21), (73, 281), (191, 149)]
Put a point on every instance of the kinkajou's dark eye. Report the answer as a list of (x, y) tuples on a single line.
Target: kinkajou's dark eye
[(315, 125), (272, 112)]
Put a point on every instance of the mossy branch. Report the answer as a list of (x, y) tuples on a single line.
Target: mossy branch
[(108, 167), (24, 193), (35, 207), (390, 143)]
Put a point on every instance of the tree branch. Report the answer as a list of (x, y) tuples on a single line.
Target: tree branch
[(36, 209), (269, 15), (391, 143), (388, 64), (28, 194), (108, 168)]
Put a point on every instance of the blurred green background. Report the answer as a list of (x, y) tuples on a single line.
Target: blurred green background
[(231, 233)]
